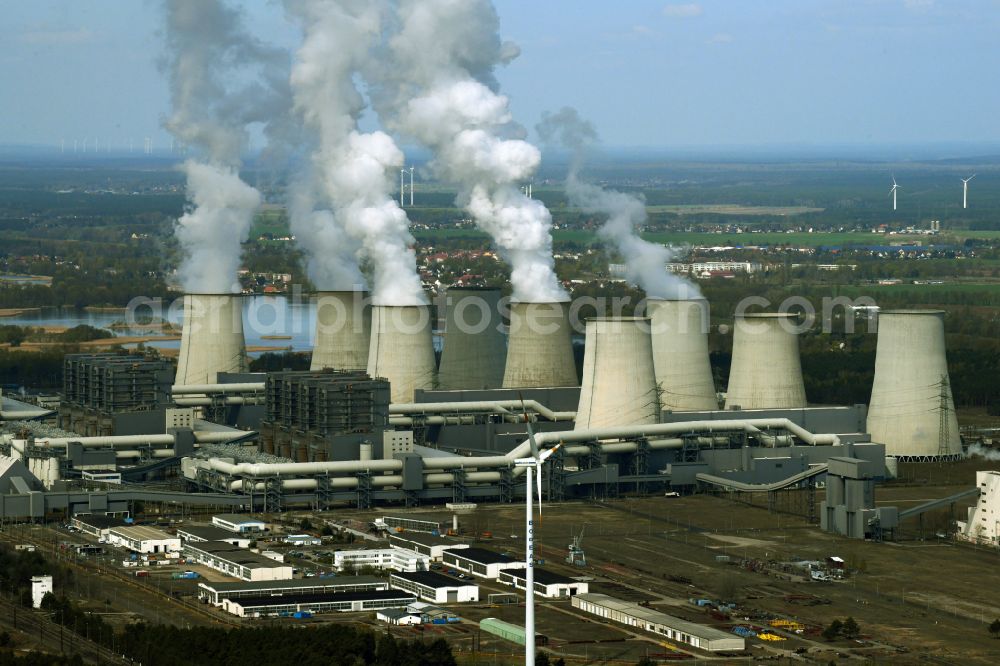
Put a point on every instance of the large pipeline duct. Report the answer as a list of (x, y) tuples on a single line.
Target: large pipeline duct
[(619, 387), (766, 372), (343, 326), (402, 349), (680, 354), (656, 434), (912, 411), (539, 347), (474, 349), (131, 441), (212, 338)]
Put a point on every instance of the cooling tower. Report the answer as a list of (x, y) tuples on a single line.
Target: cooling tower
[(539, 347), (911, 410), (680, 354), (619, 385), (402, 349), (343, 323), (766, 372), (474, 348), (212, 338)]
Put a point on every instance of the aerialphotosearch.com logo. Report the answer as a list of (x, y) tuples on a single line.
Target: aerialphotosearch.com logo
[(474, 311)]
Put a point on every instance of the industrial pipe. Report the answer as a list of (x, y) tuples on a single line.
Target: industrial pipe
[(245, 387)]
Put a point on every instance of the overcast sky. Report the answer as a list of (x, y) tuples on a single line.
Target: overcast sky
[(654, 74)]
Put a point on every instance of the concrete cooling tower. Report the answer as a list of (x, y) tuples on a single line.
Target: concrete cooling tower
[(474, 349), (766, 372), (212, 338), (402, 349), (619, 385), (343, 325), (680, 354), (539, 347), (911, 410)]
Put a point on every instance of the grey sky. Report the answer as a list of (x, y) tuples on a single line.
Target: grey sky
[(657, 74)]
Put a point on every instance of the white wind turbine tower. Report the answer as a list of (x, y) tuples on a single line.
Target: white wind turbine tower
[(965, 190), (893, 192), (535, 461)]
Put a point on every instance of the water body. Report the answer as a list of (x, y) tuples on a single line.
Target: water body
[(262, 316)]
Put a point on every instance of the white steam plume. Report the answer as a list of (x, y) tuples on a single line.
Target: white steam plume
[(437, 86), (645, 262), (221, 80), (986, 453), (356, 170), (331, 254)]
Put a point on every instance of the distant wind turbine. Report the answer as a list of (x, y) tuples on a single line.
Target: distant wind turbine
[(893, 192), (965, 190)]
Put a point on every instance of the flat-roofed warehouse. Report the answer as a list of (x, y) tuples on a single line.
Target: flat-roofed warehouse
[(547, 583), (434, 587), (215, 593), (97, 525), (196, 533), (144, 539), (343, 602), (235, 522), (235, 561), (480, 562), (633, 615), (425, 544)]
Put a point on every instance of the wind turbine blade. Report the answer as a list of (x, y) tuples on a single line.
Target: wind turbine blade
[(547, 453)]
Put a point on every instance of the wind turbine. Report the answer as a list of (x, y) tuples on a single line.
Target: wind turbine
[(893, 192), (965, 190), (535, 461), (411, 187)]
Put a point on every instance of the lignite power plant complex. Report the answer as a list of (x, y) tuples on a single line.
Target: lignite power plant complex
[(377, 419)]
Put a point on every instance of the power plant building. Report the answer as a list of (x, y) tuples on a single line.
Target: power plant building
[(912, 410), (474, 347), (212, 339), (766, 371), (619, 385), (402, 349), (539, 347), (679, 330), (343, 329)]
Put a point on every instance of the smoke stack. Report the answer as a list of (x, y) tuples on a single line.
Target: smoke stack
[(402, 349), (766, 372), (539, 347), (212, 338), (911, 410), (619, 385), (680, 354), (343, 326), (474, 348)]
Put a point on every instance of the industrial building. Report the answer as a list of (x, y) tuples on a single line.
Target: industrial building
[(237, 562), (342, 602), (107, 394), (239, 524), (426, 544), (766, 371), (196, 533), (97, 525), (670, 627), (480, 562), (911, 410), (324, 415), (982, 524), (216, 593), (394, 559), (434, 587), (548, 584), (343, 325), (212, 340), (142, 539), (475, 351)]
